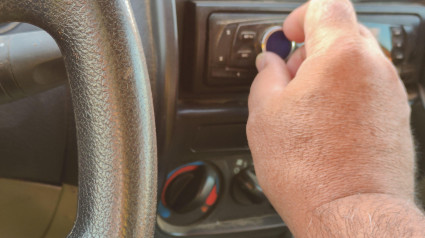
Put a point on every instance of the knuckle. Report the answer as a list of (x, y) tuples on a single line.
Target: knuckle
[(255, 131), (336, 9), (357, 59), (252, 125), (256, 123), (349, 48), (260, 122), (331, 13)]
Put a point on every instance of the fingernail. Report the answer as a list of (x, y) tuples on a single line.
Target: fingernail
[(260, 61)]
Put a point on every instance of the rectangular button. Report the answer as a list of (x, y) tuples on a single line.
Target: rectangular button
[(232, 73), (398, 42), (397, 55), (248, 35), (224, 44), (244, 54), (397, 31)]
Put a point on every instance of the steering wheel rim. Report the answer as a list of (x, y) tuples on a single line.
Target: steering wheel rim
[(113, 110)]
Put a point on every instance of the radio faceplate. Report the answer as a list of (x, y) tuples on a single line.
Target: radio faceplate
[(234, 40), (223, 53)]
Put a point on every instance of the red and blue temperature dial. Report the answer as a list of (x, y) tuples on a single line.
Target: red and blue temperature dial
[(190, 192)]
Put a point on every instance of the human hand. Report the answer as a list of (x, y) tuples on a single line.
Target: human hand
[(331, 123)]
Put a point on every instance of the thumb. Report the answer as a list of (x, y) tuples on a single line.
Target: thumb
[(273, 76)]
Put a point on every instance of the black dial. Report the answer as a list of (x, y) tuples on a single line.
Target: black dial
[(189, 193), (246, 189)]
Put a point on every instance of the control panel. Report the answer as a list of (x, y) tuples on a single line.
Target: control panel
[(235, 40), (398, 38), (189, 193), (225, 51), (198, 194)]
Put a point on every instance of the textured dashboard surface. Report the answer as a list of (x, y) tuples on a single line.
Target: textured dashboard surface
[(113, 110)]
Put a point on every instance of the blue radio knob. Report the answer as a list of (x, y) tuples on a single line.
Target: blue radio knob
[(274, 40)]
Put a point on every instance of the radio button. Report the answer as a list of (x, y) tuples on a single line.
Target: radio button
[(397, 31), (397, 56), (247, 35), (223, 47), (274, 40)]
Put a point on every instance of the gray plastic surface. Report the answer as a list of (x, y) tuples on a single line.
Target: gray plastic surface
[(113, 109), (31, 62)]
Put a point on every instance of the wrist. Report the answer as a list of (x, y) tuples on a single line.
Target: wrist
[(302, 195), (377, 215)]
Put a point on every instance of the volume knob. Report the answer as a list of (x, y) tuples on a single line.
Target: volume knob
[(275, 40)]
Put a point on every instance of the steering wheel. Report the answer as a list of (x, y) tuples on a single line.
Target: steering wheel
[(114, 116)]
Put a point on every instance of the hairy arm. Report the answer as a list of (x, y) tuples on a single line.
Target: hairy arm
[(366, 215), (329, 131)]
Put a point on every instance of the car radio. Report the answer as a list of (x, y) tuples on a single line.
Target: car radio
[(226, 49), (234, 40)]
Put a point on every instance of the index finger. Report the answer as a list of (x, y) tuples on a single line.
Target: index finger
[(319, 21)]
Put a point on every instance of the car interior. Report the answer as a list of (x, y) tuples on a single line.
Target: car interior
[(152, 140)]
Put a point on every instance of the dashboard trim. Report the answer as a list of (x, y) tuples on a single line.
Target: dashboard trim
[(168, 70), (224, 227)]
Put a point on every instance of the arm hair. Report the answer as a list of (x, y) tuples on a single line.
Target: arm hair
[(366, 215)]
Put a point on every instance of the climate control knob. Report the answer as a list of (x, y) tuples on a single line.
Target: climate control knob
[(189, 193), (246, 189)]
